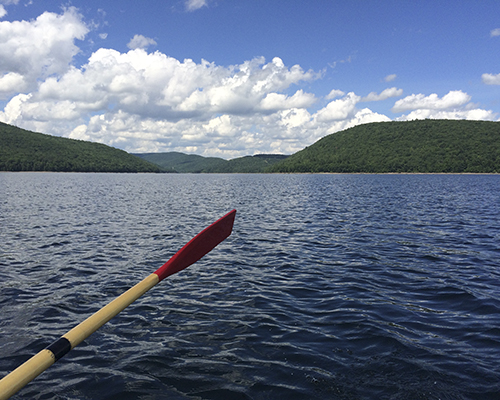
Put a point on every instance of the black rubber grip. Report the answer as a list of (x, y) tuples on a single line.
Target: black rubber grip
[(60, 347)]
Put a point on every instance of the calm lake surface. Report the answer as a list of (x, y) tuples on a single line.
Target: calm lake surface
[(330, 287)]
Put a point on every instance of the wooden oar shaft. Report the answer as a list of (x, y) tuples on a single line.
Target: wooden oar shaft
[(28, 371), (25, 373), (195, 249), (82, 331)]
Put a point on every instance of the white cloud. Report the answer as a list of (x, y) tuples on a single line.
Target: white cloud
[(454, 98), (221, 125), (193, 5), (42, 47), (490, 79), (339, 109), (356, 117), (148, 102), (390, 78), (334, 93), (385, 94), (140, 42), (14, 108), (10, 83), (473, 114), (495, 32), (454, 105), (3, 11), (275, 101)]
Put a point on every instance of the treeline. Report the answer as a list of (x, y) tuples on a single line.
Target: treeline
[(190, 163), (180, 162), (248, 164), (426, 146), (22, 150)]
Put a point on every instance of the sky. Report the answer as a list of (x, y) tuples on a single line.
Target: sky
[(230, 78)]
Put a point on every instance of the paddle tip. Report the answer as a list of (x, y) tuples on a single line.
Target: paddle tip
[(201, 244)]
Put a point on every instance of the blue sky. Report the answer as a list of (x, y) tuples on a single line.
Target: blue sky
[(242, 77)]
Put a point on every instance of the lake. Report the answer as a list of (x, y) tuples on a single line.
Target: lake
[(330, 286)]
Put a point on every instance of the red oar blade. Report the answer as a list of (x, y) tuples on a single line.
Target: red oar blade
[(198, 246)]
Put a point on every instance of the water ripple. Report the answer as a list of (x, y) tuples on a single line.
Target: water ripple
[(331, 286)]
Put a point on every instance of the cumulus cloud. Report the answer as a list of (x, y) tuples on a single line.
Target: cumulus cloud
[(334, 93), (470, 114), (490, 79), (454, 98), (11, 82), (340, 109), (385, 94), (150, 102), (140, 42), (390, 78), (454, 105), (39, 48), (495, 32), (193, 5), (3, 11), (276, 101)]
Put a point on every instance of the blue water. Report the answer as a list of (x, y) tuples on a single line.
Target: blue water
[(330, 287)]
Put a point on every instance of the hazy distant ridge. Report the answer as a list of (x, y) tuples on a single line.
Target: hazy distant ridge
[(179, 162)]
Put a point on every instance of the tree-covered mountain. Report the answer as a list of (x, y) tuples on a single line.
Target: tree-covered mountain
[(448, 146), (180, 162), (249, 164), (22, 150), (451, 146)]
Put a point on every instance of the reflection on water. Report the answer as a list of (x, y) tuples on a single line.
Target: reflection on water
[(331, 286)]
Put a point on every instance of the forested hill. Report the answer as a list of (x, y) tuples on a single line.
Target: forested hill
[(448, 146), (249, 164), (179, 162), (191, 163), (22, 150)]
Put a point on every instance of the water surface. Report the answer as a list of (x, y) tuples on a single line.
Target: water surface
[(331, 286)]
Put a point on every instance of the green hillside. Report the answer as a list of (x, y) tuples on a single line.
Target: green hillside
[(180, 162), (22, 150), (449, 146), (249, 164)]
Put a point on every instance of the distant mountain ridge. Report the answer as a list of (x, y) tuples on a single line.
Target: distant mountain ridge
[(190, 163), (180, 162), (426, 146)]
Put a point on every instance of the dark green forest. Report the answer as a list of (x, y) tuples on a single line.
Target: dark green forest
[(426, 146), (180, 162), (190, 163), (249, 164), (22, 150)]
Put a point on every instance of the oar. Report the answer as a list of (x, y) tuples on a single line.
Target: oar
[(195, 249)]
